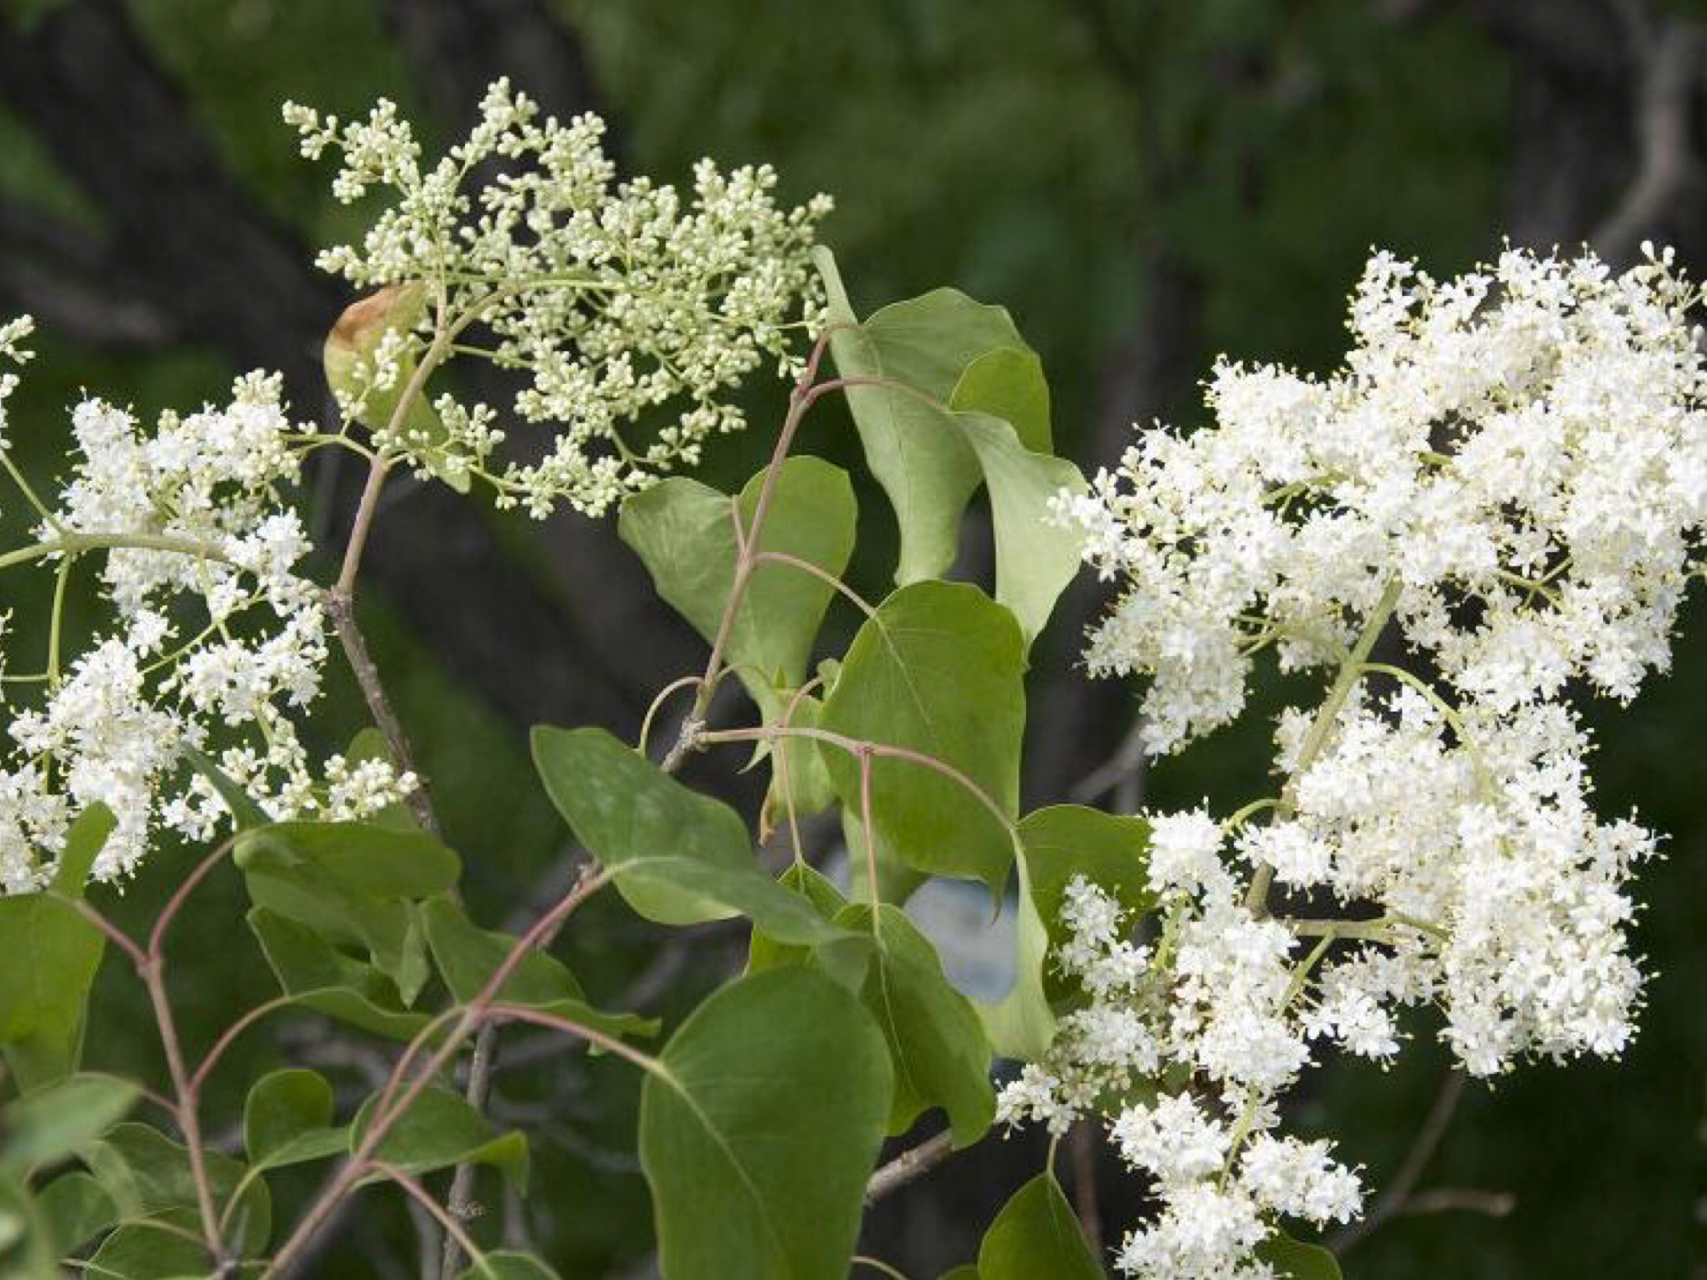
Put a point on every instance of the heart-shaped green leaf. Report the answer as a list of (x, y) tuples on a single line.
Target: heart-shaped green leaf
[(1036, 1234), (320, 978), (684, 532), (287, 1119), (936, 1042), (468, 956), (937, 670), (754, 1172), (441, 1129)]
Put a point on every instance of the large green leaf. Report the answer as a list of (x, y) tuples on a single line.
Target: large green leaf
[(49, 1124), (354, 883), (468, 956), (684, 532), (287, 1119), (1036, 1234), (1068, 840), (679, 857), (441, 1129), (971, 406), (925, 344), (75, 1210), (622, 808), (163, 1247), (146, 1173), (938, 670), (936, 1043), (322, 979), (1294, 1260), (49, 955), (758, 1128)]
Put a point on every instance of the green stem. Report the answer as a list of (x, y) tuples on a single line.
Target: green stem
[(76, 543), (1256, 899)]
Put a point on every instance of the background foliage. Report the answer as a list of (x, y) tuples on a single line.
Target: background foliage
[(1142, 184)]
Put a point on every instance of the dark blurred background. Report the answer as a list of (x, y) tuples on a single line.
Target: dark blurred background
[(1144, 183)]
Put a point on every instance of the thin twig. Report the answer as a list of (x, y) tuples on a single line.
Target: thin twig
[(341, 606), (1082, 1150), (390, 1109), (907, 1166), (1411, 1168)]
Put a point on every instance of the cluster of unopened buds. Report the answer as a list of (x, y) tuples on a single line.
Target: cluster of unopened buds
[(622, 304), (1499, 497)]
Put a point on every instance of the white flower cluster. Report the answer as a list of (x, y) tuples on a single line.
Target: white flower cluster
[(1510, 471), (215, 640), (1211, 1003), (626, 308), (1520, 450)]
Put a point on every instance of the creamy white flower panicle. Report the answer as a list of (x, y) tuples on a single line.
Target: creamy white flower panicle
[(214, 643), (630, 310), (1519, 449), (1508, 476)]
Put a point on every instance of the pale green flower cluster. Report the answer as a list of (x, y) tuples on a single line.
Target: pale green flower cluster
[(630, 311)]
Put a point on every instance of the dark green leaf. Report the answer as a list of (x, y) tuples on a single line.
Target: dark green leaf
[(936, 1043), (1037, 1234), (938, 670), (468, 956), (763, 950), (965, 1271), (49, 1124), (330, 983), (441, 1129), (759, 1127), (74, 1210), (164, 1248), (147, 1173), (679, 857), (684, 531), (744, 891), (287, 1119), (622, 807), (1294, 1260), (354, 883), (845, 958), (49, 955)]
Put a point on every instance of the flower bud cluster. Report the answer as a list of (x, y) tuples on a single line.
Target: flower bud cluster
[(630, 312)]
